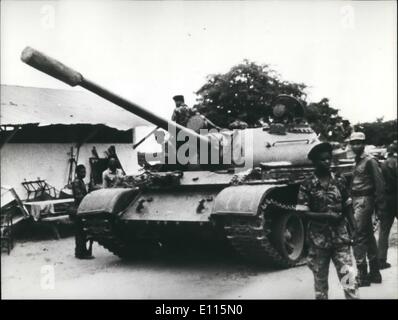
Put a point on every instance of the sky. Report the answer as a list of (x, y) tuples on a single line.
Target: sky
[(150, 51)]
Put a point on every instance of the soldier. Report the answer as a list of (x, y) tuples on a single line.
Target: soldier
[(323, 198), (79, 192), (389, 169), (182, 112), (367, 191)]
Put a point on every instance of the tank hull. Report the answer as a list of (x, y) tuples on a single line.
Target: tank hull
[(127, 221)]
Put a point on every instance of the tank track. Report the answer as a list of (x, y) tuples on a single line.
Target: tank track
[(250, 237), (102, 231), (115, 246)]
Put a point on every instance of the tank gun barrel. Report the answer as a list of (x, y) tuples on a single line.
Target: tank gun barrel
[(58, 70)]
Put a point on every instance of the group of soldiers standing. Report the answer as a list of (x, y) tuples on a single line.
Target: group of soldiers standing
[(332, 205)]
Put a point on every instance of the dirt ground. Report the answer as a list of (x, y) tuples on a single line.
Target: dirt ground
[(47, 269)]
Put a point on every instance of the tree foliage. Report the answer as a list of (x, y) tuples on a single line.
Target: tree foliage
[(379, 132), (247, 91), (326, 121)]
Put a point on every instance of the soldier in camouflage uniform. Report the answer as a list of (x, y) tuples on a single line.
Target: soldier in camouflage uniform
[(324, 199)]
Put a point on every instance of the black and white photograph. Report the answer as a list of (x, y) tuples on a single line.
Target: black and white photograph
[(198, 150)]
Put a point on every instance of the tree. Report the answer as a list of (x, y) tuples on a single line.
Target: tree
[(247, 91), (326, 121), (379, 132)]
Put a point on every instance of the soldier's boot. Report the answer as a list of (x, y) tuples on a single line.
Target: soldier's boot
[(383, 264), (362, 277), (374, 271)]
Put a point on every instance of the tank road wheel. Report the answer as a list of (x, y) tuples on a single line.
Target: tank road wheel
[(288, 235), (274, 237)]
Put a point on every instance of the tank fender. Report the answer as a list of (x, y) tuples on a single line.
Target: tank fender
[(241, 200), (109, 201)]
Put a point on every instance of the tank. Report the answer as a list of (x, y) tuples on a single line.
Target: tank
[(246, 199)]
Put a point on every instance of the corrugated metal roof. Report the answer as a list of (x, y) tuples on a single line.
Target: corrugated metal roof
[(26, 105)]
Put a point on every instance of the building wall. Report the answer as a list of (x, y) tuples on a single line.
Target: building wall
[(50, 161)]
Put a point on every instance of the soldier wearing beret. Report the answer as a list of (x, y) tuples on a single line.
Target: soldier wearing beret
[(323, 198), (367, 191)]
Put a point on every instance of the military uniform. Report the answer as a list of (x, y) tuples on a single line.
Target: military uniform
[(182, 114), (327, 240), (79, 192), (367, 191), (389, 169)]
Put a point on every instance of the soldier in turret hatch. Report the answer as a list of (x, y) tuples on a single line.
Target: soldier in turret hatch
[(182, 112)]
